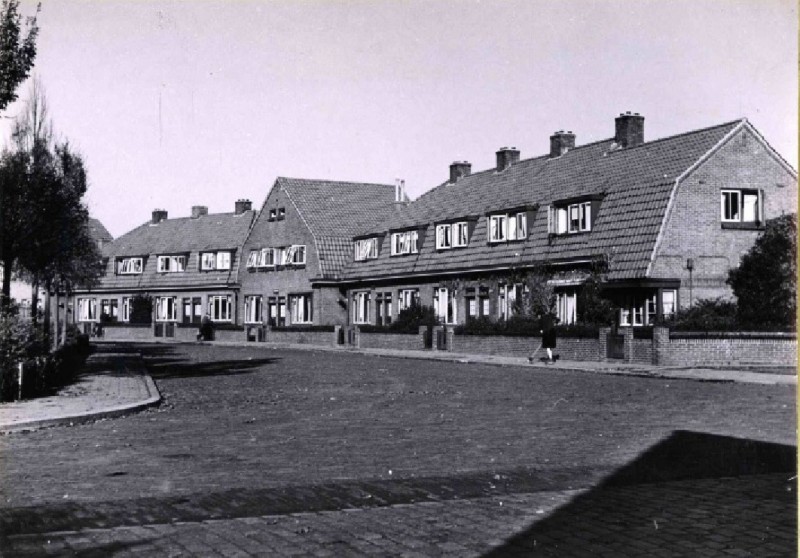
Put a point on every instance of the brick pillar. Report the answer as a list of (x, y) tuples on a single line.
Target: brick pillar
[(603, 340), (450, 332), (337, 331), (357, 337), (423, 330), (660, 343), (627, 333), (435, 337)]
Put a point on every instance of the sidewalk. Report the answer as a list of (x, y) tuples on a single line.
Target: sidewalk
[(117, 383), (111, 385)]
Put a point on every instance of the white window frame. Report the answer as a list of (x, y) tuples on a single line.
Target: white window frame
[(406, 298), (445, 304), (126, 309), (166, 309), (220, 308), (361, 307), (460, 234), (254, 258), (87, 310), (171, 264), (731, 214), (508, 227), (253, 309), (406, 242), (294, 255), (130, 266), (366, 249), (567, 306), (498, 228), (668, 309), (570, 219), (301, 308), (444, 237), (215, 261)]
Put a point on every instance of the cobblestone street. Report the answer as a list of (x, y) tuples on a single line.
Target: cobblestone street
[(277, 452)]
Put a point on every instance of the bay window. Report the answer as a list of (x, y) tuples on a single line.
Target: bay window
[(567, 306), (407, 298)]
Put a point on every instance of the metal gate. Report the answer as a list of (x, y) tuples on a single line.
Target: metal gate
[(615, 345)]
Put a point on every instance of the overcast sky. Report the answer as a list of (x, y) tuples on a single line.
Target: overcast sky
[(175, 104)]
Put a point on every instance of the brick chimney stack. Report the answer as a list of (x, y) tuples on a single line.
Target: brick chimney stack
[(561, 142), (506, 156), (242, 206), (629, 129), (159, 215), (459, 169), (199, 211)]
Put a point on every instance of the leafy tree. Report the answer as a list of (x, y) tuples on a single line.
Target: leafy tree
[(593, 307), (539, 300), (141, 309), (17, 52), (714, 314), (765, 281)]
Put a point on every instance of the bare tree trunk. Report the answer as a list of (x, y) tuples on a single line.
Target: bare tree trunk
[(35, 301), (55, 322), (66, 318), (46, 318), (5, 298)]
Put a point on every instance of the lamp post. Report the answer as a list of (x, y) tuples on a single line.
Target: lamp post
[(690, 268)]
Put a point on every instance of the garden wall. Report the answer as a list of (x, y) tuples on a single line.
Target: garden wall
[(324, 338), (568, 348), (397, 341), (143, 332), (692, 349)]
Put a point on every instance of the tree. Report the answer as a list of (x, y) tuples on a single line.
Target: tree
[(765, 281), (17, 53), (593, 307)]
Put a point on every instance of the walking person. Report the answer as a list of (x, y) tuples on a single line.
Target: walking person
[(549, 337)]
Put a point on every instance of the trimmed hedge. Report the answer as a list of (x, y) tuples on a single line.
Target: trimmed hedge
[(518, 326), (329, 328)]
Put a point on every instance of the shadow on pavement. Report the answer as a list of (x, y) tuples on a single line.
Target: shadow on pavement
[(164, 368), (692, 494)]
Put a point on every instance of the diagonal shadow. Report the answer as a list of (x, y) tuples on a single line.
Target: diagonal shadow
[(691, 494), (164, 368), (33, 548)]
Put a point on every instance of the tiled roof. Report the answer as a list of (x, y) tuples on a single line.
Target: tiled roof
[(636, 184), (220, 231), (98, 232), (335, 211)]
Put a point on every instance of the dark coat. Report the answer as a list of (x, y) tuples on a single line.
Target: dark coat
[(549, 337)]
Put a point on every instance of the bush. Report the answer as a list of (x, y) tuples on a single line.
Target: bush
[(523, 326), (408, 320), (329, 328), (706, 315), (141, 309)]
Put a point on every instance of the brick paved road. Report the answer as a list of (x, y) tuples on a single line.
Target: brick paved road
[(258, 451)]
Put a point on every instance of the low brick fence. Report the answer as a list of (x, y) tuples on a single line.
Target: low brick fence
[(129, 332), (568, 348), (697, 349), (324, 338), (398, 341)]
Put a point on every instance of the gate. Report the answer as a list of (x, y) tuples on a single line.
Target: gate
[(615, 345)]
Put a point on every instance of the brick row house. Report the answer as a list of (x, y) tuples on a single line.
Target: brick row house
[(668, 217), (188, 266)]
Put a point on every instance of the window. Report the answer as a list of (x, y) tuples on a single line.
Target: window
[(215, 260), (506, 298), (361, 308), (192, 310), (668, 303), (254, 259), (741, 206), (639, 310), (272, 214), (366, 249), (573, 218), (281, 213), (87, 309), (109, 307), (166, 310), (129, 266), (444, 237), (252, 309), (301, 308), (383, 305), (171, 264), (407, 298), (508, 227), (566, 306), (405, 243), (126, 309), (219, 307), (444, 303), (276, 311), (460, 234), (294, 255)]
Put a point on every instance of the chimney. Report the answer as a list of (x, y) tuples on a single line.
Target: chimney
[(561, 142), (506, 157), (629, 129), (198, 211), (459, 169), (400, 191), (159, 215), (242, 206)]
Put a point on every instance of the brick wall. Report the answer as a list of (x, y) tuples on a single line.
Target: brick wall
[(399, 341), (128, 333), (727, 350), (694, 227), (567, 347), (322, 338)]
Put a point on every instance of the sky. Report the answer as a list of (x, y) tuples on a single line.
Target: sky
[(175, 104)]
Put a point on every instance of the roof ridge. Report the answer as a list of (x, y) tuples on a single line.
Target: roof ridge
[(328, 181)]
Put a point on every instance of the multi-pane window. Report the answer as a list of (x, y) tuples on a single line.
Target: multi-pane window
[(406, 298), (276, 311), (444, 304), (294, 255), (215, 261), (301, 309), (508, 227), (573, 218), (669, 303), (383, 306), (741, 206), (454, 235), (361, 308), (192, 310), (252, 309), (171, 264), (129, 266), (366, 249), (220, 308), (87, 309), (460, 234), (109, 307), (567, 306), (166, 309), (507, 296), (405, 243), (639, 310)]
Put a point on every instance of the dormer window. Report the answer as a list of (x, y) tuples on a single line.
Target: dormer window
[(507, 227), (570, 218), (171, 264), (211, 261), (366, 249), (129, 266), (406, 242), (452, 235)]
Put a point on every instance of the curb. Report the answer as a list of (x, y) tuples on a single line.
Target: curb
[(82, 418)]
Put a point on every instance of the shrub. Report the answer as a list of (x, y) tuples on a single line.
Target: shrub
[(304, 328), (706, 315), (141, 309), (523, 326), (408, 320)]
